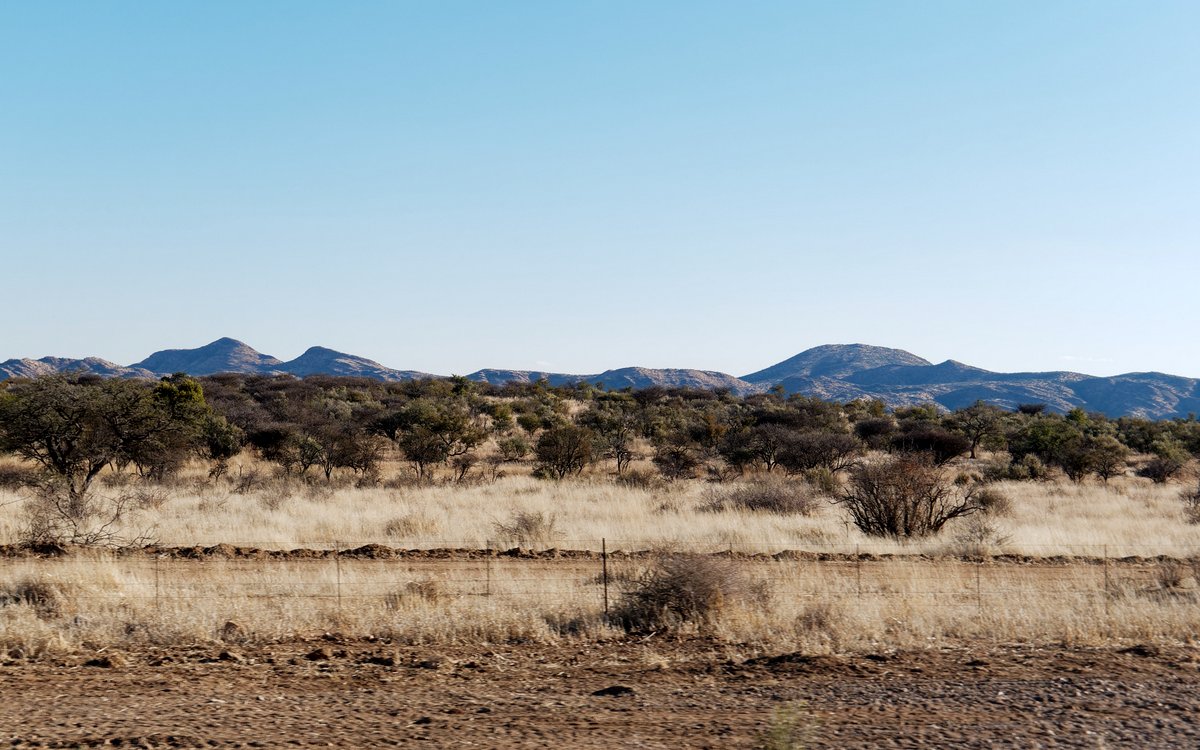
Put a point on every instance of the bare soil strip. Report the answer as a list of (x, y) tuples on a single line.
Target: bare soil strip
[(653, 693)]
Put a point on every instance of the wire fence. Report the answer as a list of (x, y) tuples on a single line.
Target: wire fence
[(595, 573)]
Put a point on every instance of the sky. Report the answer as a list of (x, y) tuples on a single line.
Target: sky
[(577, 186)]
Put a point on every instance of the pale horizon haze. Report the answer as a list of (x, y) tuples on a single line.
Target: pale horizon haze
[(582, 186)]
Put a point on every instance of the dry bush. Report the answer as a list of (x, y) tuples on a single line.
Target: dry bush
[(415, 592), (978, 536), (411, 526), (904, 497), (1175, 579), (680, 589), (43, 597), (528, 529), (15, 477), (150, 498), (275, 495), (822, 480), (820, 619), (212, 502), (247, 481), (641, 480), (1029, 468), (54, 515), (764, 496), (1191, 505), (993, 502), (116, 479)]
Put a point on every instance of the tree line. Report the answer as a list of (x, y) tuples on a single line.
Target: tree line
[(76, 427)]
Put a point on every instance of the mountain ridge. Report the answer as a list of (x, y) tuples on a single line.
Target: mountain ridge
[(842, 372)]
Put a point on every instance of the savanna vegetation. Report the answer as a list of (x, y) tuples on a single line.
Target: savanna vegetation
[(700, 479)]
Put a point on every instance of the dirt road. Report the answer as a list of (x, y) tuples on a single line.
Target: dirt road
[(656, 693)]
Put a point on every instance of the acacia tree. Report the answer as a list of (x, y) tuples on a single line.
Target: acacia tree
[(979, 422), (432, 432), (73, 429), (220, 441), (614, 422), (812, 449), (63, 426), (563, 451)]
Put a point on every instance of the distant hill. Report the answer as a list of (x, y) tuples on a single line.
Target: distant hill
[(841, 372), (321, 361), (222, 355), (34, 368), (644, 377), (625, 377), (500, 377), (832, 361)]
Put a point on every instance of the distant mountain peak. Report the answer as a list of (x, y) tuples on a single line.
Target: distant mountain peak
[(223, 355), (314, 351), (833, 361), (321, 360)]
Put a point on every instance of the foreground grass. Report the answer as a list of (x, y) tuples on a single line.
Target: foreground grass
[(65, 605), (941, 590)]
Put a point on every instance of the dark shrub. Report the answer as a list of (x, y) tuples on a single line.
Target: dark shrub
[(765, 496), (904, 497), (679, 589)]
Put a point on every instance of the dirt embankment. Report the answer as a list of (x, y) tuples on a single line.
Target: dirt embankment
[(384, 552)]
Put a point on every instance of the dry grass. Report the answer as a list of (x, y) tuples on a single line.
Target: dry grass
[(63, 605), (926, 597), (1127, 516)]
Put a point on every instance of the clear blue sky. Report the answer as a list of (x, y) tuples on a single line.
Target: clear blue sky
[(575, 186)]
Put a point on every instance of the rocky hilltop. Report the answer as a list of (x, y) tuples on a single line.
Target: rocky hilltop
[(34, 368), (222, 355), (841, 372), (318, 360)]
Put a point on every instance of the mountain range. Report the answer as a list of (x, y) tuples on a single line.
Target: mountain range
[(841, 372)]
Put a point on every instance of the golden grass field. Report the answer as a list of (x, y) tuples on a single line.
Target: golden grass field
[(1128, 516), (994, 585)]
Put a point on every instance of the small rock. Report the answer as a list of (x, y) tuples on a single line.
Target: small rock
[(319, 654), (1140, 650), (232, 656), (106, 661), (614, 691), (423, 720)]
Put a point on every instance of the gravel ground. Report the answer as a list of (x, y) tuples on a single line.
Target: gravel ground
[(655, 694)]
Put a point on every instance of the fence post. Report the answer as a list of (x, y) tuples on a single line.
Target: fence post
[(604, 573), (487, 586), (858, 570), (337, 563), (978, 589), (1106, 582)]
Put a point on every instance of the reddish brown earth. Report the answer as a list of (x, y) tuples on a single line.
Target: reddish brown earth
[(656, 693)]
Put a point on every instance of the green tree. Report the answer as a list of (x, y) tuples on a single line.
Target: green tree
[(65, 427), (979, 422), (431, 432), (220, 441), (564, 451)]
